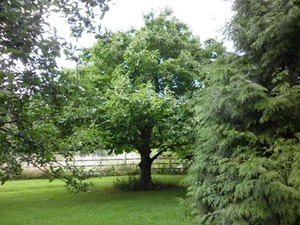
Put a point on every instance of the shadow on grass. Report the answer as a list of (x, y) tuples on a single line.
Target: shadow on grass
[(132, 183)]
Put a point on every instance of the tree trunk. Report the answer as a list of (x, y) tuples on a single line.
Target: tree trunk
[(145, 170), (146, 161)]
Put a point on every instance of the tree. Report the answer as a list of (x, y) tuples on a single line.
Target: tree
[(30, 90), (145, 78), (166, 53), (246, 168), (137, 118)]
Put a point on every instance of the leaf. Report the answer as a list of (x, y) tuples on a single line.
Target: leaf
[(10, 77), (12, 51)]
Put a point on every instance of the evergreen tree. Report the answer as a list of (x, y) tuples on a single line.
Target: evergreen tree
[(247, 164)]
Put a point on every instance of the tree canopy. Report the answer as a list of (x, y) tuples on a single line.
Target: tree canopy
[(30, 93), (246, 168), (143, 79)]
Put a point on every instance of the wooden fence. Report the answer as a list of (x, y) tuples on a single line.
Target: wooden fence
[(123, 162), (102, 163)]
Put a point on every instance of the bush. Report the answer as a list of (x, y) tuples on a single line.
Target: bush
[(132, 183), (128, 183)]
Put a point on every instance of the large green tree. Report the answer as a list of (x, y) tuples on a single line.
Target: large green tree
[(30, 83), (143, 79), (247, 164)]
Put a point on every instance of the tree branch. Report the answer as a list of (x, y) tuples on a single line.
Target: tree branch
[(158, 154), (163, 149)]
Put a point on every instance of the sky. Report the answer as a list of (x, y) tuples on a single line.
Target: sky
[(206, 18)]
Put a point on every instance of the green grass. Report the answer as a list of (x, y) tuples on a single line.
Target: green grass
[(38, 202)]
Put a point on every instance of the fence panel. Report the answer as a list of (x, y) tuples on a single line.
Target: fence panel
[(95, 162)]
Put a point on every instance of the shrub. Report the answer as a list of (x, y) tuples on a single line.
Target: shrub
[(132, 183), (128, 183)]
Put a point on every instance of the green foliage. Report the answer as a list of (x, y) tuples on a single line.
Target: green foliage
[(31, 92), (142, 80), (166, 53), (246, 169), (163, 52), (133, 183), (131, 109), (247, 164), (256, 30), (129, 183)]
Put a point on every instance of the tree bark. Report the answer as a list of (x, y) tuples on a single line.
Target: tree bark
[(146, 161), (145, 169)]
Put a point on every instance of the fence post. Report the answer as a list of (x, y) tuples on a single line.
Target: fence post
[(171, 165)]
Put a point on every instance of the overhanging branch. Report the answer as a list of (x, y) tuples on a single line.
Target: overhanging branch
[(161, 151), (164, 149)]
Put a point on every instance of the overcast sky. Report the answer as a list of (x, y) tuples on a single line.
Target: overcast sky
[(206, 18)]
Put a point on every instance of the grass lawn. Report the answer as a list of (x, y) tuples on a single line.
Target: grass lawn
[(38, 202)]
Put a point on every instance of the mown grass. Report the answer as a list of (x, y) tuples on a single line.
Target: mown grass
[(38, 202)]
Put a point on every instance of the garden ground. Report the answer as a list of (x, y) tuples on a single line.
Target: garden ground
[(38, 202)]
